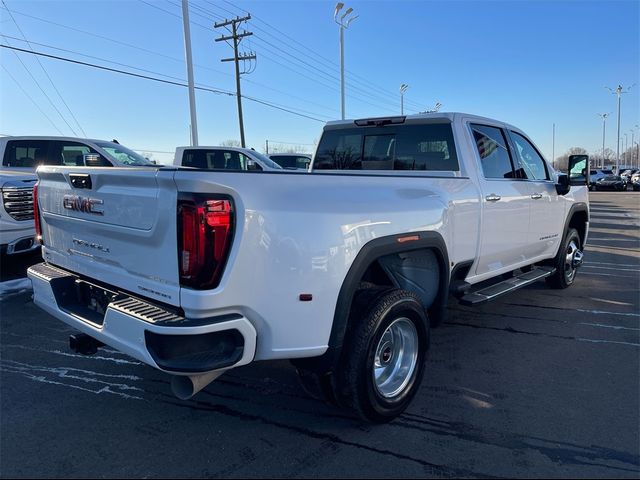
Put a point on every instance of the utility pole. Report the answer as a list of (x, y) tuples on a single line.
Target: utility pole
[(237, 37), (266, 144), (187, 54), (604, 124)]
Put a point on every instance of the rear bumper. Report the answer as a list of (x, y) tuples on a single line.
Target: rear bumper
[(158, 337)]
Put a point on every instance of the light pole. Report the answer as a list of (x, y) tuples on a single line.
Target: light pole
[(344, 23), (187, 54), (604, 126), (633, 132), (553, 146), (637, 156), (618, 91), (403, 88), (625, 154)]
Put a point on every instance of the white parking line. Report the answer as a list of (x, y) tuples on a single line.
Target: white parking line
[(609, 275), (601, 312), (615, 327), (586, 265), (607, 341)]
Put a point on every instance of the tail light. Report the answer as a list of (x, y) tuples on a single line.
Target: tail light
[(36, 215), (205, 228)]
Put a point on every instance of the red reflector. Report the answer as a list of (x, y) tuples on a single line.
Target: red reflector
[(205, 228), (36, 215), (306, 297)]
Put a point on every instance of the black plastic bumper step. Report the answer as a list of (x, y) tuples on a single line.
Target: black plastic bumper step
[(487, 294)]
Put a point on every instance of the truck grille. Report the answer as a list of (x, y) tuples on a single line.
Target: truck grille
[(18, 202)]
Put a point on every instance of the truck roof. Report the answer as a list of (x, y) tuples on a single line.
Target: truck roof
[(52, 137), (419, 117)]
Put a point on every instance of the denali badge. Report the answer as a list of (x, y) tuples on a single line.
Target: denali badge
[(97, 246), (81, 204)]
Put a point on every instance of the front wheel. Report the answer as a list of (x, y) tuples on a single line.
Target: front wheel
[(383, 358), (567, 261)]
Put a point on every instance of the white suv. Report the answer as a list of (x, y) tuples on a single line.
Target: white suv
[(16, 212)]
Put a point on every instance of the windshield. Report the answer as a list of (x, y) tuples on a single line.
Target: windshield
[(266, 160), (124, 156)]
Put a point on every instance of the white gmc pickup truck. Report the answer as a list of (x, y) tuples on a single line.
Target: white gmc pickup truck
[(343, 270)]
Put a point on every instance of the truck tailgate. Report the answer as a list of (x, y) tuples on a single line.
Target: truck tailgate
[(115, 225)]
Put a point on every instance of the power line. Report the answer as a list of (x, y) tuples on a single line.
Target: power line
[(42, 90), (317, 70), (161, 80), (322, 58), (75, 52), (32, 100), (45, 71)]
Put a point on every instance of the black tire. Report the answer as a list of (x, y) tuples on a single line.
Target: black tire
[(355, 386), (562, 278)]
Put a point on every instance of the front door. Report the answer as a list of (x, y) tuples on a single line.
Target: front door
[(547, 208)]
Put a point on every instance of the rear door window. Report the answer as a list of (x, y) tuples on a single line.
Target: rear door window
[(392, 147), (25, 153), (495, 158)]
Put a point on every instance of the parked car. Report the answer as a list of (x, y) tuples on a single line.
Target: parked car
[(299, 161), (342, 270), (224, 158), (627, 174), (26, 153), (635, 182), (577, 174), (611, 182), (17, 232)]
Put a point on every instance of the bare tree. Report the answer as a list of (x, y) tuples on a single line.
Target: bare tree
[(230, 143), (562, 162)]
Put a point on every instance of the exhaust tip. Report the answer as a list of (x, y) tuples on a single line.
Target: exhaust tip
[(186, 386), (182, 387)]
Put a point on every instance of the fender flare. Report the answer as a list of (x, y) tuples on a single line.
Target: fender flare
[(368, 254), (575, 208)]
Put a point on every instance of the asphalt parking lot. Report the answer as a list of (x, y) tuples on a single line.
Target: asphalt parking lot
[(540, 383)]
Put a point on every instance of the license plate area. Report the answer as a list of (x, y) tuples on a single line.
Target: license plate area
[(87, 301)]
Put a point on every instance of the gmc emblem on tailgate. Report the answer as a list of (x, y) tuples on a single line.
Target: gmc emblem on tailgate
[(81, 204)]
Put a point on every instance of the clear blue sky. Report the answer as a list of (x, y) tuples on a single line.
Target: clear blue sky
[(530, 63)]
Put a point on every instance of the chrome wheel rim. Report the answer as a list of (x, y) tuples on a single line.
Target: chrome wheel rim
[(395, 358), (572, 259)]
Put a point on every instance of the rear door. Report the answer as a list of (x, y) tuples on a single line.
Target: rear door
[(505, 202), (115, 225)]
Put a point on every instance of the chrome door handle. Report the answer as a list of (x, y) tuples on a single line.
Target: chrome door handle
[(536, 196), (492, 198)]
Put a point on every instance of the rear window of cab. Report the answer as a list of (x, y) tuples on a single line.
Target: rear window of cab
[(390, 147)]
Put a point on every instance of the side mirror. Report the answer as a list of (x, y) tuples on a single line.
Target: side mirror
[(563, 184), (578, 169), (253, 166), (92, 160)]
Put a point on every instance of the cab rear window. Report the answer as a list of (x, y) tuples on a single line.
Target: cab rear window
[(390, 147)]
